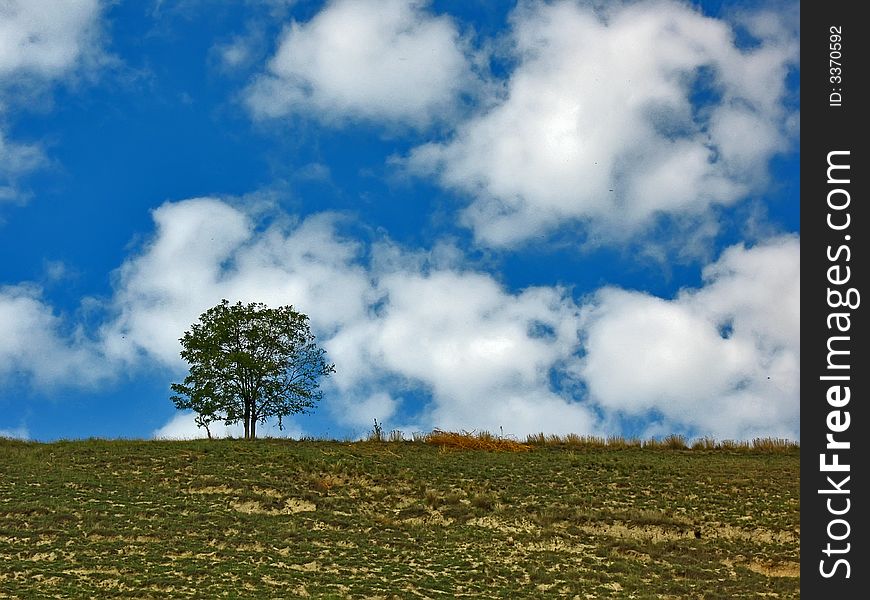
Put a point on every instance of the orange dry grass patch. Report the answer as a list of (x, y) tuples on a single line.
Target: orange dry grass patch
[(471, 441)]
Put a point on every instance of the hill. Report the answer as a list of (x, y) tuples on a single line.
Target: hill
[(319, 519)]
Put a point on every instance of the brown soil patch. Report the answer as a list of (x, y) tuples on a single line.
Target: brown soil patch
[(783, 569), (268, 492), (307, 567), (557, 545), (494, 523), (658, 533), (432, 518), (229, 491), (45, 556), (291, 506), (214, 489), (752, 535)]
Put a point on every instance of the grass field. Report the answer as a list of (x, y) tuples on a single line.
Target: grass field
[(300, 519)]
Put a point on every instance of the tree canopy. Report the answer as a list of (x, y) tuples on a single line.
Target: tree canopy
[(250, 362)]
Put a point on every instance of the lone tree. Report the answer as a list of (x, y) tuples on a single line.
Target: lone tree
[(250, 362)]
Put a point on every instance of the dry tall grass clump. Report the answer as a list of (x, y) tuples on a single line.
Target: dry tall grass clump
[(571, 440), (619, 442), (483, 440), (732, 445), (587, 442), (705, 443), (670, 442), (770, 444), (767, 444)]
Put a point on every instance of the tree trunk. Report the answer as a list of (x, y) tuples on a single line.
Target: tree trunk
[(247, 420), (253, 425)]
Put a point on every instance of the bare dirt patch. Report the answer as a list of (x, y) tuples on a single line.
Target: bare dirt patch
[(432, 518), (214, 489), (307, 567), (230, 491), (490, 522), (291, 506), (658, 533), (784, 569)]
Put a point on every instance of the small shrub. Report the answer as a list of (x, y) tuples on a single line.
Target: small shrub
[(616, 441), (704, 444), (433, 499), (546, 517), (414, 511), (538, 439), (573, 440), (453, 498), (484, 501), (377, 433), (674, 442)]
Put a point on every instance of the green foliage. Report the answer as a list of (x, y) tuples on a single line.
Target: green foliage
[(249, 362)]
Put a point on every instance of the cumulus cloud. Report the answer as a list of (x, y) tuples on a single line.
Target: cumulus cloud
[(205, 249), (405, 326), (40, 42), (615, 117), (183, 426), (721, 360), (483, 354), (36, 345), (384, 60), (39, 37)]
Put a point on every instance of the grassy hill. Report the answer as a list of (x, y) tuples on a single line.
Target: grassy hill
[(299, 519)]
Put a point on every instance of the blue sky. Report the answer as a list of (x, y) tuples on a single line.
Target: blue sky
[(561, 217)]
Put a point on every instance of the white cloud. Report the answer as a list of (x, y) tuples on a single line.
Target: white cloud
[(36, 347), (182, 426), (723, 359), (385, 60), (600, 123), (16, 160), (40, 37), (483, 354), (402, 326), (204, 250), (40, 42), (355, 410), (236, 53), (19, 433)]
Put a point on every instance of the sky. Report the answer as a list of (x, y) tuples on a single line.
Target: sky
[(560, 217)]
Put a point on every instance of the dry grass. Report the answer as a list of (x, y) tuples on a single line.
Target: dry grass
[(619, 442), (774, 444), (483, 440), (704, 444)]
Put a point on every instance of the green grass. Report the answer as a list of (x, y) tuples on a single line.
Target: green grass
[(288, 519)]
